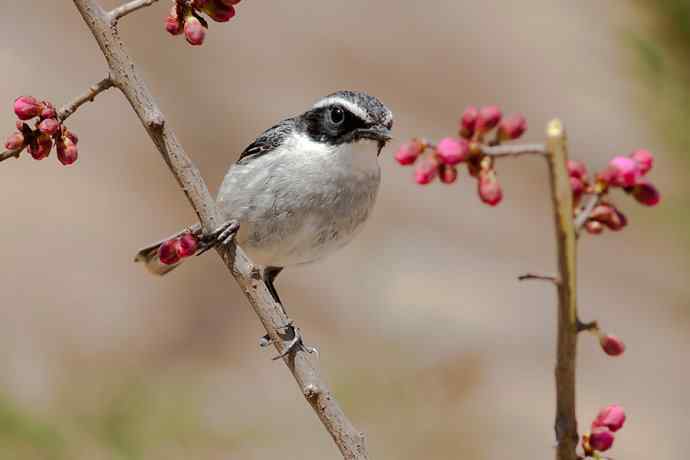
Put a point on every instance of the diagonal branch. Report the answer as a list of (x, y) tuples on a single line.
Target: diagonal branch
[(566, 423), (68, 109), (301, 363), (129, 7)]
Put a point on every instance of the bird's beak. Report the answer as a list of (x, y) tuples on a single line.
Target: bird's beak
[(376, 133)]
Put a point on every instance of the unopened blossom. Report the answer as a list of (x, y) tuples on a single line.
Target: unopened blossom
[(27, 107), (611, 417), (625, 171), (488, 188), (452, 151), (187, 245), (644, 160), (426, 171), (489, 117), (512, 128), (612, 345), (601, 439), (409, 152), (447, 173), (646, 193)]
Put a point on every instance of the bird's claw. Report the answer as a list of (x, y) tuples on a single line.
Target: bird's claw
[(291, 339), (223, 236)]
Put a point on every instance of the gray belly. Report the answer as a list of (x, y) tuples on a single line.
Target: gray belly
[(294, 214)]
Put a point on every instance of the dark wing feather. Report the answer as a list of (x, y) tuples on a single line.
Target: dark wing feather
[(268, 141)]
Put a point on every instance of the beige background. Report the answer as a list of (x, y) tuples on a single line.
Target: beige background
[(428, 340)]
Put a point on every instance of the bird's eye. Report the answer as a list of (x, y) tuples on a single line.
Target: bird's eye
[(337, 115)]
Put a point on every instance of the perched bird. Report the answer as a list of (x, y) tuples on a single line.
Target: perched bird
[(302, 189)]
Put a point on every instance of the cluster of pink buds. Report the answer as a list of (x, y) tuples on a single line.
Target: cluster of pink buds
[(443, 159), (46, 132), (600, 439), (171, 251), (185, 16), (624, 172)]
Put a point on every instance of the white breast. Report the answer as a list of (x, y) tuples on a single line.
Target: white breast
[(302, 201)]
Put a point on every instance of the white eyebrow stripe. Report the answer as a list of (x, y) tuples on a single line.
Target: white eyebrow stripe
[(354, 108)]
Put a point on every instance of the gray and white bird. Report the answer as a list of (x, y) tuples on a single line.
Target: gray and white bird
[(303, 188)]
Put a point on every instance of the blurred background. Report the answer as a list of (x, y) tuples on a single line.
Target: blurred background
[(429, 342)]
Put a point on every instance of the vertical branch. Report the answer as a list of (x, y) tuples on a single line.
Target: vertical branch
[(566, 423), (302, 364)]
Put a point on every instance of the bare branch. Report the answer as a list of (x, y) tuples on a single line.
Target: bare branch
[(302, 364), (88, 96), (566, 423), (502, 151), (68, 109), (130, 7), (535, 276), (586, 211)]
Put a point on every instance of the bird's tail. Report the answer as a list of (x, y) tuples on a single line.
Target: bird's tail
[(150, 256)]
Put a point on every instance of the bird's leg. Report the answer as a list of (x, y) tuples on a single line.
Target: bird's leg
[(291, 336), (223, 236)]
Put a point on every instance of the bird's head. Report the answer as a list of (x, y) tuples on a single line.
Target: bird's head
[(348, 117)]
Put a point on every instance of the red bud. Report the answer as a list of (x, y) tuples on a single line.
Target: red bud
[(626, 171), (468, 122), (488, 118), (167, 252), (646, 193), (612, 345), (49, 126), (40, 147), (644, 160), (27, 107), (67, 151), (488, 188), (452, 151), (577, 169), (194, 31), (187, 245), (593, 227), (448, 174), (219, 11), (408, 152), (577, 186), (48, 110), (426, 171), (512, 128), (15, 141), (601, 439), (611, 417)]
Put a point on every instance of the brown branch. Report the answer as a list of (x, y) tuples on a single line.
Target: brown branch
[(121, 11), (565, 423), (536, 276), (302, 364), (68, 109), (502, 151)]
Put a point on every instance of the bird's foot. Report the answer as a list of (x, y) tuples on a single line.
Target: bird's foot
[(292, 339), (223, 236)]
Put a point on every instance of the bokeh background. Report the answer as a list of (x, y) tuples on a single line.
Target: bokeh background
[(430, 343)]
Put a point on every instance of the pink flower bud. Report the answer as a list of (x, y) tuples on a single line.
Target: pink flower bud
[(187, 245), (626, 171), (646, 193), (452, 151), (593, 227), (48, 110), (409, 152), (167, 252), (172, 25), (609, 216), (489, 189), (488, 118), (71, 136), (468, 122), (512, 128), (219, 11), (426, 171), (67, 151), (49, 126), (15, 141), (644, 160), (27, 107), (577, 186), (577, 169), (447, 174), (601, 439), (611, 417), (612, 345), (194, 31), (40, 147)]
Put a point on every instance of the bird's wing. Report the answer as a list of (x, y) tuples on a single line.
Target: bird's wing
[(268, 141)]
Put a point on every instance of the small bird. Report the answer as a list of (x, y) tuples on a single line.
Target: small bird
[(301, 190)]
